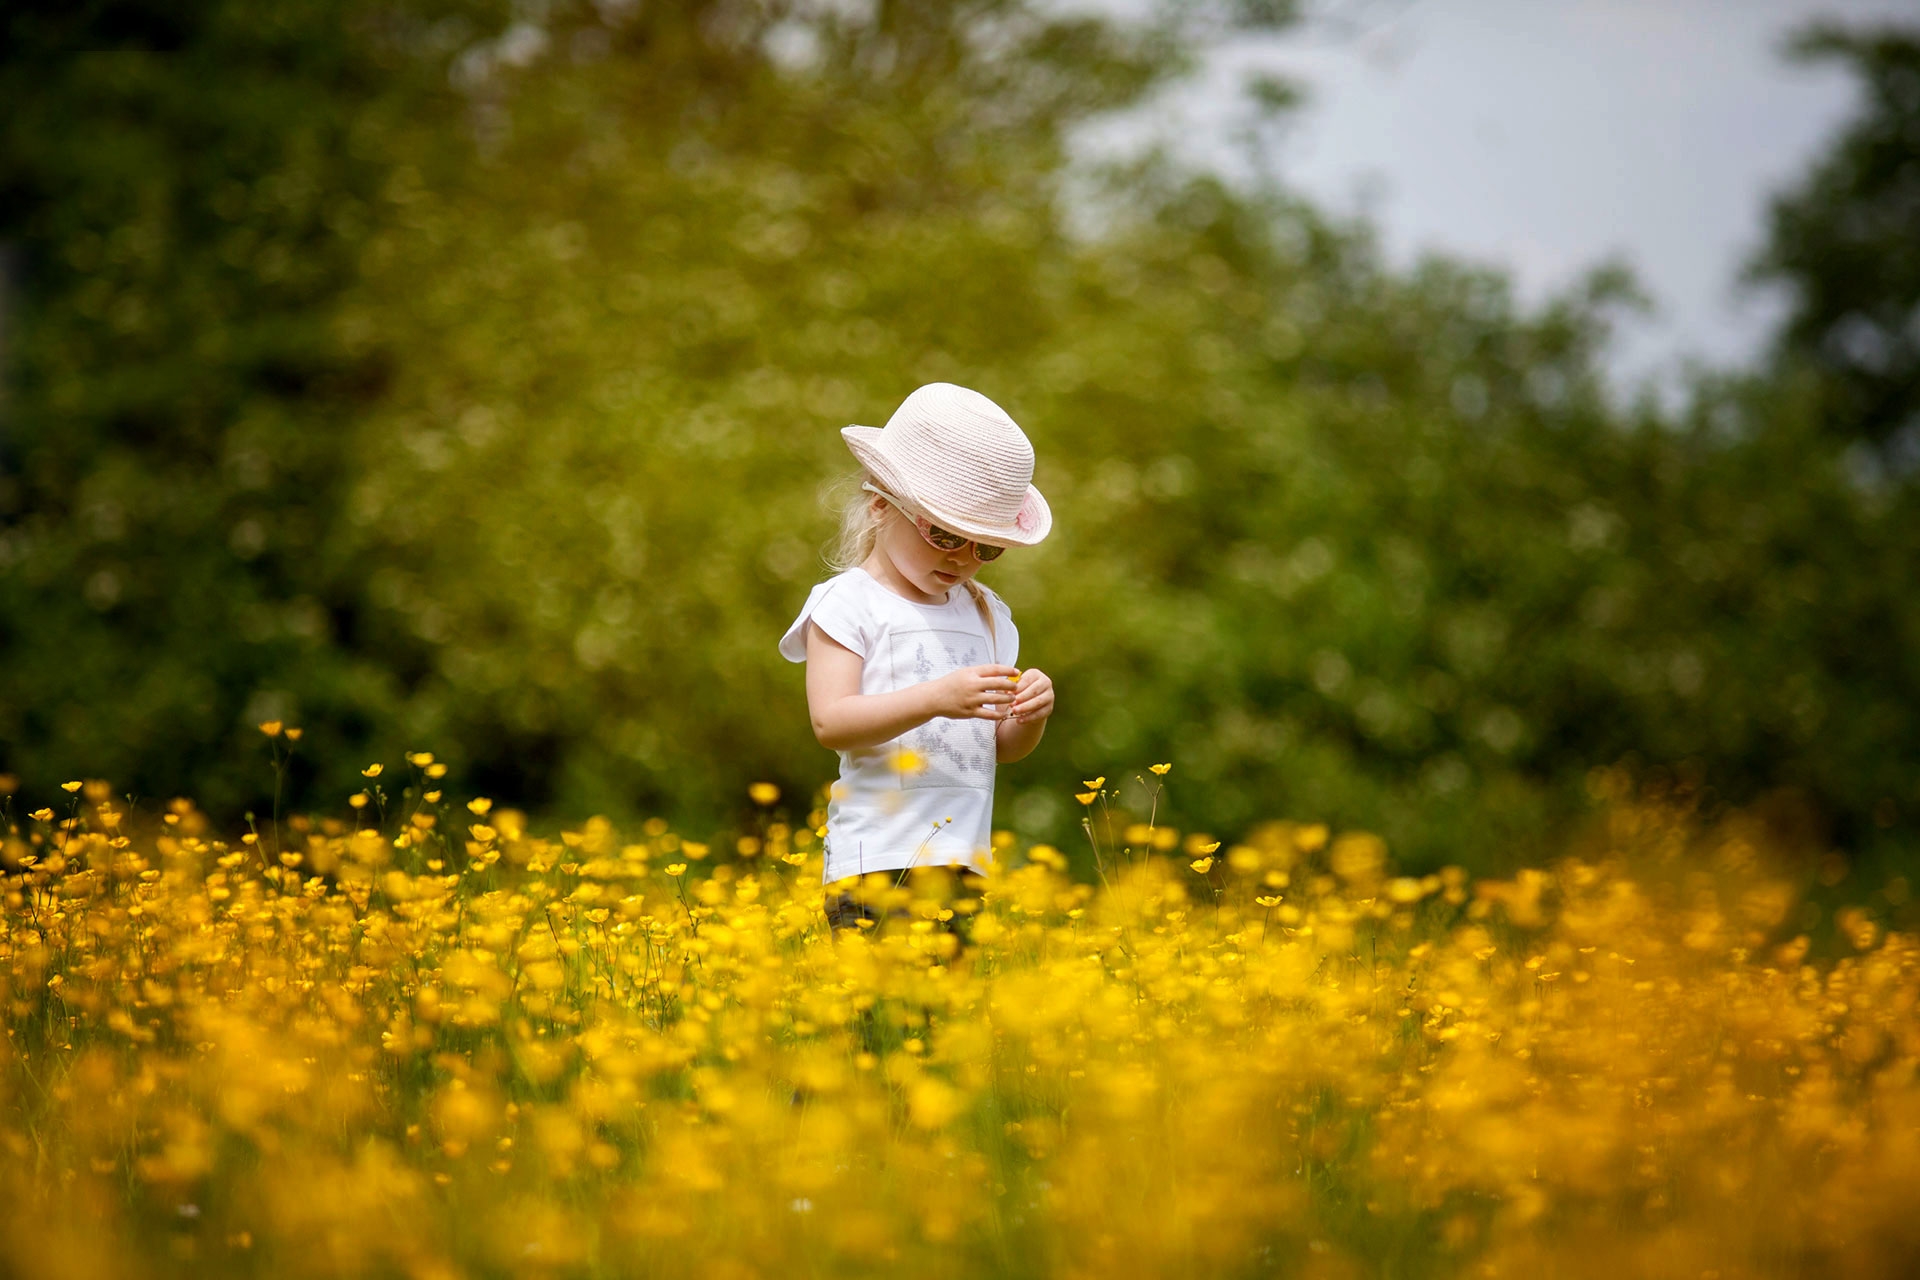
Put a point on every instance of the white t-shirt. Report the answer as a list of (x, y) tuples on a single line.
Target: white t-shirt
[(926, 797)]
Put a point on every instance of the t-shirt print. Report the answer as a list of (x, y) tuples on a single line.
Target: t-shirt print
[(952, 753)]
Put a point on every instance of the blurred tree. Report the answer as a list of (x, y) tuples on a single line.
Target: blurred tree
[(469, 379), (1846, 244), (185, 187)]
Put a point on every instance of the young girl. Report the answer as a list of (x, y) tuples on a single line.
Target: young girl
[(911, 664)]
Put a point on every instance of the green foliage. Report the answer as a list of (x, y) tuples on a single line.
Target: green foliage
[(1846, 243), (186, 190), (492, 405)]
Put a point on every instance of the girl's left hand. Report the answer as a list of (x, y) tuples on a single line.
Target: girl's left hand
[(1033, 700)]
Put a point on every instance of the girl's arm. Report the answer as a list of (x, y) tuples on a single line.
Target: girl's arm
[(845, 719), (1016, 736)]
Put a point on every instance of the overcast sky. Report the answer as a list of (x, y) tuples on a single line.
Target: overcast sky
[(1545, 135)]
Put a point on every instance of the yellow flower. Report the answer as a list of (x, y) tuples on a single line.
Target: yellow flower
[(1160, 769), (1202, 865), (1205, 846), (436, 770), (1087, 797), (1405, 889), (932, 1103), (479, 806), (763, 793), (358, 799), (271, 728), (372, 771), (676, 868), (41, 815), (293, 735), (907, 760), (1095, 784), (69, 786)]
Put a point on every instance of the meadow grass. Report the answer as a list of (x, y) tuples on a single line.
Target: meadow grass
[(442, 1045)]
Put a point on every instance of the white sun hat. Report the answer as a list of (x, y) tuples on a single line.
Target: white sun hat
[(955, 457)]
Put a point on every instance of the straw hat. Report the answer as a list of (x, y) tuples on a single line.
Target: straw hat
[(957, 458)]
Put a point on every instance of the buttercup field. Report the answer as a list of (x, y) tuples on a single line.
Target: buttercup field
[(449, 1046)]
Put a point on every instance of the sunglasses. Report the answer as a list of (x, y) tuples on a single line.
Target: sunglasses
[(944, 540)]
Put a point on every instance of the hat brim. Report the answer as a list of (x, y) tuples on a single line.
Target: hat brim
[(1030, 524)]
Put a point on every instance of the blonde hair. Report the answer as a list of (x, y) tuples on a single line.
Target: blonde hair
[(862, 516)]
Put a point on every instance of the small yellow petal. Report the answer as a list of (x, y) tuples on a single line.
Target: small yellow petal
[(372, 771), (41, 815), (1202, 865), (1094, 784), (1087, 797), (1160, 769), (676, 868)]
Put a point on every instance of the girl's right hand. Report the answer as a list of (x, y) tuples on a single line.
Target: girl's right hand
[(976, 693)]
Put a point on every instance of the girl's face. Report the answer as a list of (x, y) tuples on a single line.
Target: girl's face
[(907, 562)]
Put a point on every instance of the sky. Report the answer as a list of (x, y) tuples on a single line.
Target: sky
[(1545, 136)]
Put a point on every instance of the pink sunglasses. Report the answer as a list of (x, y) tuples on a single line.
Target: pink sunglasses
[(941, 539)]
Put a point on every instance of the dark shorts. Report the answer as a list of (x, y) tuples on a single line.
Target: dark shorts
[(856, 898)]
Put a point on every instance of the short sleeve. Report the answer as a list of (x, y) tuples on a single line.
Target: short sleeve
[(836, 609)]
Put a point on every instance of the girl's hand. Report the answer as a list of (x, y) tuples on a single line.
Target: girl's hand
[(1033, 700), (975, 693)]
